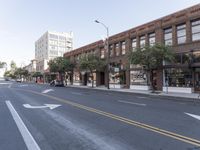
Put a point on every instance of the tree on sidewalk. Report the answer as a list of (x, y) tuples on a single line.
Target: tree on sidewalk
[(13, 66), (21, 73), (61, 65), (37, 75), (151, 58), (2, 64), (91, 63)]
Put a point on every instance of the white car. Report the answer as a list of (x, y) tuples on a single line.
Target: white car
[(19, 80)]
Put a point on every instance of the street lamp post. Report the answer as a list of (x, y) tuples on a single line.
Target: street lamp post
[(107, 48)]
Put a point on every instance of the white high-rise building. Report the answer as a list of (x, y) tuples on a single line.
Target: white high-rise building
[(51, 45)]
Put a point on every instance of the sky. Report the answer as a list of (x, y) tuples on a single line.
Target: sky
[(22, 22)]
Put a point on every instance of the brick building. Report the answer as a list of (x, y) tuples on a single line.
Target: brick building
[(181, 30)]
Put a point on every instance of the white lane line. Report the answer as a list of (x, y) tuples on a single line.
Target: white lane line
[(76, 93), (28, 138), (47, 91), (23, 85), (4, 83), (141, 97), (139, 104), (193, 115)]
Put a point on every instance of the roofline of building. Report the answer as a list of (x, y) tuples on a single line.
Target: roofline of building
[(140, 27)]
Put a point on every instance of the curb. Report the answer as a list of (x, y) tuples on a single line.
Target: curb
[(184, 98)]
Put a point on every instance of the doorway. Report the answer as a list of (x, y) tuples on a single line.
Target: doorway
[(197, 81), (102, 78), (85, 78)]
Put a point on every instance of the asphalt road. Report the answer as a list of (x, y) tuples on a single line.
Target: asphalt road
[(86, 119)]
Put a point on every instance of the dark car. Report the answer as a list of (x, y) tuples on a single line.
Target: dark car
[(57, 83), (19, 80), (7, 79)]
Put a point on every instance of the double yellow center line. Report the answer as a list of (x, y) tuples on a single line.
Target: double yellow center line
[(125, 120)]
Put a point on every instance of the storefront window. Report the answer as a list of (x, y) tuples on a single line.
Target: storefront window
[(182, 58), (178, 58), (177, 77), (138, 77), (90, 77), (117, 75), (76, 77), (196, 57), (185, 58)]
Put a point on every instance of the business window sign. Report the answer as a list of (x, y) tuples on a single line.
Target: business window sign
[(138, 77), (116, 69)]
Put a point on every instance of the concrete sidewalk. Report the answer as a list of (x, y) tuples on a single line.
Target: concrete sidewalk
[(158, 93)]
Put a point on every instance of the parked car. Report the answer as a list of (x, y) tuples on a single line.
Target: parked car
[(7, 79), (19, 80), (56, 83)]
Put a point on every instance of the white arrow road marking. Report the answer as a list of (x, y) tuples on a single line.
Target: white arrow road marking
[(47, 90), (50, 106), (28, 138), (139, 104), (194, 116)]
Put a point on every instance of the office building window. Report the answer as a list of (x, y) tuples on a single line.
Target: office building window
[(61, 49), (134, 44), (53, 36), (62, 38), (196, 30), (52, 52), (111, 50), (168, 36), (142, 41), (123, 47), (152, 39), (53, 47), (53, 42), (61, 43), (181, 33), (117, 50)]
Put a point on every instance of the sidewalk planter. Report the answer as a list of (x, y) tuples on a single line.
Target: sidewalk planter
[(77, 83), (140, 87), (116, 86), (179, 89)]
